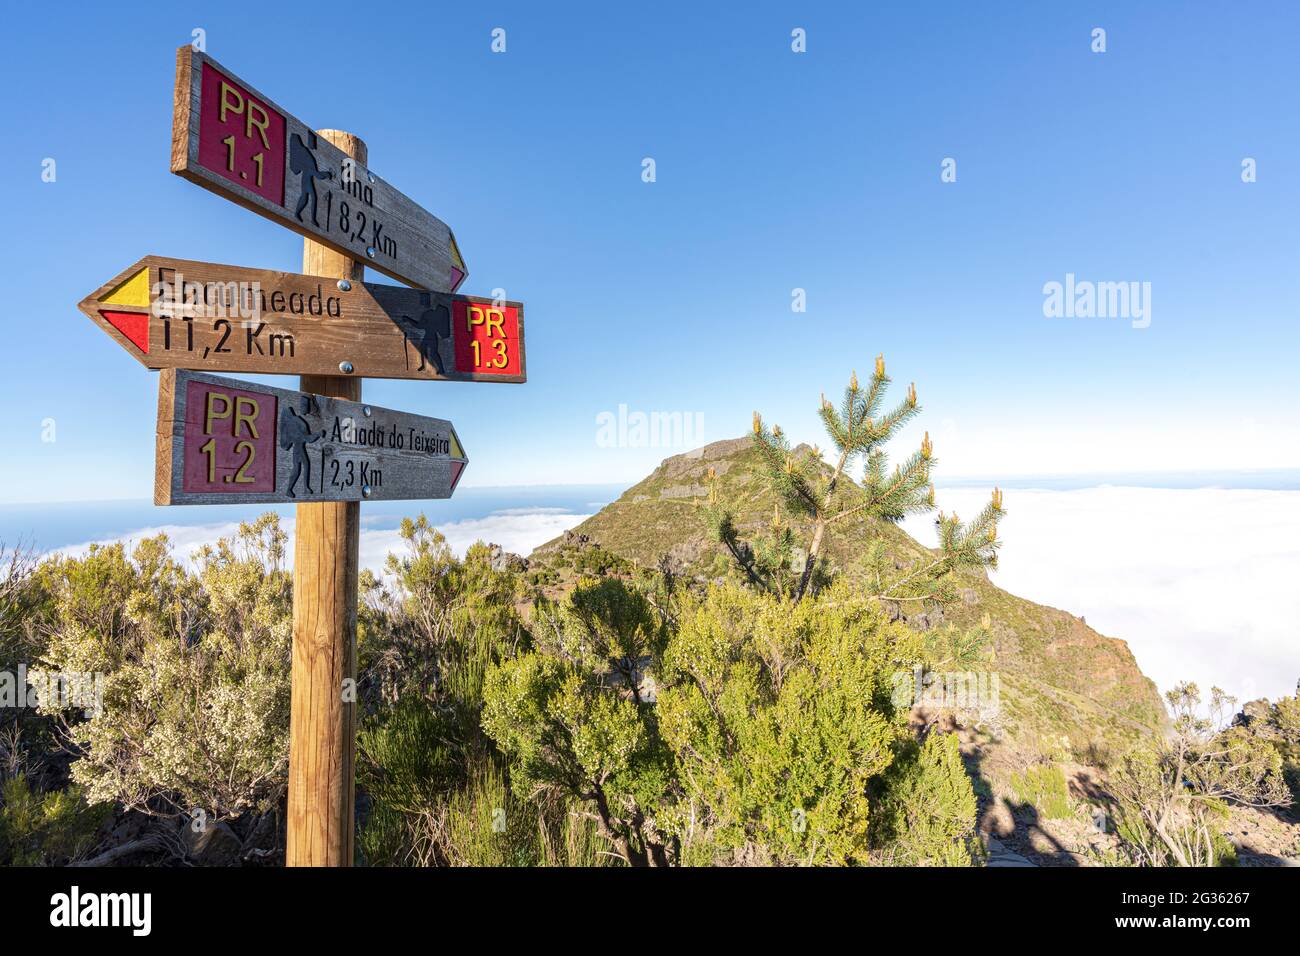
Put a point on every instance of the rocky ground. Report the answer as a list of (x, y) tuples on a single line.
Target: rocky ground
[(1019, 834)]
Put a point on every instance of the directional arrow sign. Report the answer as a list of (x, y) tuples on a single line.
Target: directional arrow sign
[(233, 140), (225, 441), (174, 313)]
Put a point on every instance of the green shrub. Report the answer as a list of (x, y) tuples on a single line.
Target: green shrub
[(25, 736), (1043, 787), (437, 793), (48, 829), (570, 838), (1172, 796), (405, 760), (779, 715), (769, 724), (1225, 852), (542, 577), (486, 826), (926, 816)]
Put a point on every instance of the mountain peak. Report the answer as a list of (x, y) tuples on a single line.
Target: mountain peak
[(1060, 679), (697, 460)]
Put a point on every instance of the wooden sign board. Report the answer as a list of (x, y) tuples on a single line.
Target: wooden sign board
[(175, 313), (230, 138), (225, 441)]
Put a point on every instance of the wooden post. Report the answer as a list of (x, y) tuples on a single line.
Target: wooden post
[(322, 727)]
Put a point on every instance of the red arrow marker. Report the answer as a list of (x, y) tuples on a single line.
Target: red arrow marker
[(134, 325)]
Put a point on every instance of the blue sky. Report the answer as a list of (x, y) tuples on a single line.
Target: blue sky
[(775, 171)]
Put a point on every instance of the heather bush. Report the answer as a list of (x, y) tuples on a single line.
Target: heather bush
[(194, 667)]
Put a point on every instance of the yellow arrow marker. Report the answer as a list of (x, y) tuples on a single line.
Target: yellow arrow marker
[(134, 291), (456, 260)]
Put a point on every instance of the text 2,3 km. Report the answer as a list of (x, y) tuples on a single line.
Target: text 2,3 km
[(354, 472)]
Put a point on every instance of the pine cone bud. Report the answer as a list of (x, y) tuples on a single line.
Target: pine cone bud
[(853, 381), (880, 365), (758, 423), (997, 498), (911, 395), (927, 449)]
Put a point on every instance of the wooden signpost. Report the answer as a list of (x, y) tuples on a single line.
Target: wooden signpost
[(225, 441), (230, 138), (174, 313)]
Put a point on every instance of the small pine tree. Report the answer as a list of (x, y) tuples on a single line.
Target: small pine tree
[(809, 490)]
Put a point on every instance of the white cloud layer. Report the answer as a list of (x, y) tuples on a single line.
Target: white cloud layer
[(515, 529), (1201, 583)]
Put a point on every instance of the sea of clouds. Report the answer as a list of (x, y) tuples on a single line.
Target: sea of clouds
[(519, 530), (1201, 583)]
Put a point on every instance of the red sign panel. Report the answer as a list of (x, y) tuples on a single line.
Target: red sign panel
[(240, 136), (229, 439), (487, 338)]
